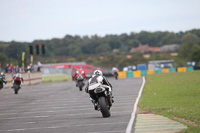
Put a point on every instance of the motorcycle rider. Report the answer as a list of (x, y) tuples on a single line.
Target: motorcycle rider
[(79, 71), (19, 76), (115, 71), (96, 79), (4, 78)]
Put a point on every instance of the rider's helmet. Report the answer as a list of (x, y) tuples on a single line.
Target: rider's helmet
[(18, 75), (98, 72), (2, 74)]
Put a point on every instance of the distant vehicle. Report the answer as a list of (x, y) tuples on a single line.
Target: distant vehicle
[(130, 68), (192, 63), (141, 67), (161, 66)]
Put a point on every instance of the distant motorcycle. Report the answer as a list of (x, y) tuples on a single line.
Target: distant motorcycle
[(116, 75), (16, 85), (104, 100), (80, 81)]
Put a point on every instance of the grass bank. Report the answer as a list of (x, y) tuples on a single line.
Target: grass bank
[(174, 95), (56, 78)]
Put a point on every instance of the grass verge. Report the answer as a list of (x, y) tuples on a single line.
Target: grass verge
[(174, 95), (56, 78)]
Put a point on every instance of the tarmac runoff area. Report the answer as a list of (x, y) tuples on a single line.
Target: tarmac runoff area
[(150, 123)]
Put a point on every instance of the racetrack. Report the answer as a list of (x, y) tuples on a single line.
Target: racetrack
[(60, 107)]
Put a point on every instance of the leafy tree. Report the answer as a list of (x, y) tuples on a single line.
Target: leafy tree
[(73, 50), (190, 38), (186, 50), (3, 59), (61, 51), (195, 54), (170, 38), (102, 49)]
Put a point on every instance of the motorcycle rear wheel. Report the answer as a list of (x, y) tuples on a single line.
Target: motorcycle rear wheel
[(103, 107), (16, 88)]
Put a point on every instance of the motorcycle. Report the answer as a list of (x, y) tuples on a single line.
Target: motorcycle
[(1, 82), (104, 102), (16, 85), (116, 75), (80, 81)]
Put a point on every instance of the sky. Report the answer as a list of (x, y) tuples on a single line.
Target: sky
[(29, 20)]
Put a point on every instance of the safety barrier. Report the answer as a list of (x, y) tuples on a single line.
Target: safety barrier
[(136, 74), (56, 77)]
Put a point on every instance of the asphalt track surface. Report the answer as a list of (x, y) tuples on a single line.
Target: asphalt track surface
[(60, 107)]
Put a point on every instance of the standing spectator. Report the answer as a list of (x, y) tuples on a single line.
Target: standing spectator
[(0, 67), (28, 68), (11, 69), (39, 65), (6, 68), (22, 70), (14, 69), (17, 69)]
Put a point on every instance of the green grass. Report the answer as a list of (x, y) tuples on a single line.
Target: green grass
[(174, 94), (56, 78)]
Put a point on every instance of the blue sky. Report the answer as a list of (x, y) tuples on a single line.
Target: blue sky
[(28, 20)]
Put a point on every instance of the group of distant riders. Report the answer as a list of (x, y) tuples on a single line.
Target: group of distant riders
[(97, 86)]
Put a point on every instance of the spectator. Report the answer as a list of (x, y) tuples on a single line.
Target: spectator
[(14, 69), (0, 67), (17, 69), (6, 68), (39, 65), (22, 69), (32, 69), (11, 68), (29, 69)]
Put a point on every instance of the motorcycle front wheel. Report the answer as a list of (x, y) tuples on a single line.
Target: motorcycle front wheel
[(103, 107)]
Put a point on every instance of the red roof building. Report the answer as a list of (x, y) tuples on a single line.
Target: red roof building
[(145, 48)]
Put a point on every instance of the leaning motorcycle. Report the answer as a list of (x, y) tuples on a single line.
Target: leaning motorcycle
[(80, 81), (16, 85), (1, 82), (104, 102)]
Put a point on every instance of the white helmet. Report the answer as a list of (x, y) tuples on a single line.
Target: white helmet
[(18, 75), (2, 74), (98, 72)]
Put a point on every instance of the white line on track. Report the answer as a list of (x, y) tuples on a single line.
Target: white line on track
[(36, 101), (64, 103), (52, 111), (132, 119), (60, 101), (33, 122), (61, 106), (65, 126), (46, 116)]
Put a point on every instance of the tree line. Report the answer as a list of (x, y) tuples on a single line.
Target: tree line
[(84, 46)]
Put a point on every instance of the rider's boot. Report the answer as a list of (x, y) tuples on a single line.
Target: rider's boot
[(111, 96), (94, 103)]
